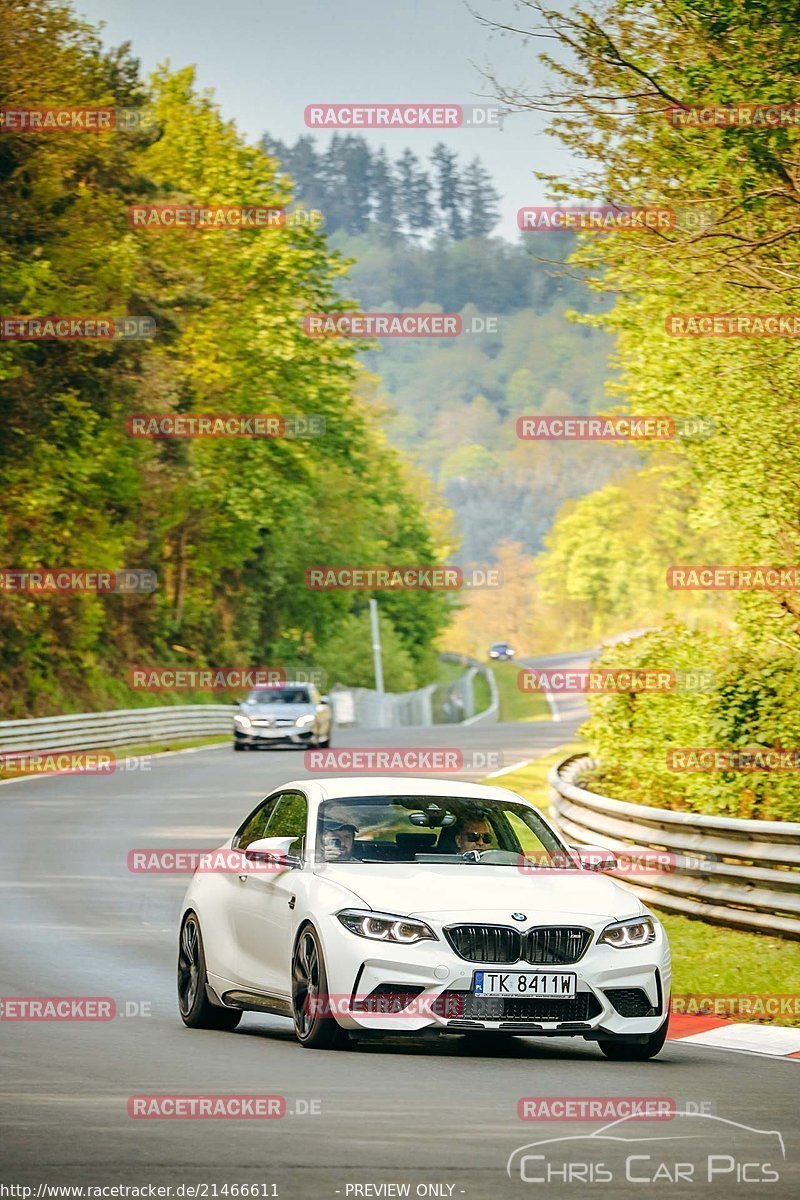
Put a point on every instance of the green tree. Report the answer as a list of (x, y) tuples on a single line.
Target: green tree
[(228, 526), (731, 249), (414, 193), (449, 190), (347, 656), (481, 200)]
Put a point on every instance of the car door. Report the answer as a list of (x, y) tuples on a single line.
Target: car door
[(264, 902)]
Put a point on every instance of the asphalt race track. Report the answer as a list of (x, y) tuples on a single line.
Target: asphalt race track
[(75, 922)]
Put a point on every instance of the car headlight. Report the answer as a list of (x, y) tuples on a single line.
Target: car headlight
[(241, 721), (385, 927), (302, 722), (637, 931)]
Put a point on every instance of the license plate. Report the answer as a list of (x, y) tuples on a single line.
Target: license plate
[(552, 984)]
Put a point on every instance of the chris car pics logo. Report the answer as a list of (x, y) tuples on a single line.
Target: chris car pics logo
[(701, 1149)]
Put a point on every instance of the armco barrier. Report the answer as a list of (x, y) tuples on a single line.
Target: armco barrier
[(366, 709), (133, 726), (729, 871), (465, 688), (125, 727), (435, 704)]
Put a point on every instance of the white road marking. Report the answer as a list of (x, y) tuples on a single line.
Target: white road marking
[(508, 770)]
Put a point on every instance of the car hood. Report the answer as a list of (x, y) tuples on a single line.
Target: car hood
[(490, 893)]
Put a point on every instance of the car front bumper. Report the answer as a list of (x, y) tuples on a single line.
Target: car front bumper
[(286, 736), (439, 987)]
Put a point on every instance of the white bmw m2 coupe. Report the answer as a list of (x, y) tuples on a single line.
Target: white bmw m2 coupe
[(389, 905)]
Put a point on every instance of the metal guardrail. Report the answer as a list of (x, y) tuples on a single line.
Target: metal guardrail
[(476, 667), (127, 726), (134, 726), (436, 704), (726, 870), (367, 709)]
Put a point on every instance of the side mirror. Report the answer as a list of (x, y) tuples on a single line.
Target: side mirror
[(596, 858), (275, 848), (324, 700)]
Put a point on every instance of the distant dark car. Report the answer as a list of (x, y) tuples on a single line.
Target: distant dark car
[(502, 651), (293, 714)]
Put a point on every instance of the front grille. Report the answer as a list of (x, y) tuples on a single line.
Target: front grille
[(631, 1002), (555, 944), (502, 944), (485, 943), (466, 1007)]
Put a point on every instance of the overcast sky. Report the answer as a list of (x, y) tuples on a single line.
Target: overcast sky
[(267, 59)]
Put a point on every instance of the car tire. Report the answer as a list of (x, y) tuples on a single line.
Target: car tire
[(309, 978), (239, 746), (195, 1008), (621, 1051), (324, 743)]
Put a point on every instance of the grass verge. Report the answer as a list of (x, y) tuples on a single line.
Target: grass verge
[(531, 779), (710, 961), (514, 704), (446, 675), (137, 751)]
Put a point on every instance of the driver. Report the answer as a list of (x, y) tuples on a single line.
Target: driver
[(337, 841), (473, 833)]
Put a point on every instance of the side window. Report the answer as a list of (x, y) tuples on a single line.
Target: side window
[(288, 819), (256, 823)]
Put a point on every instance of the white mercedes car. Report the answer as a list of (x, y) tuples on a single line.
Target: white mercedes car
[(390, 905)]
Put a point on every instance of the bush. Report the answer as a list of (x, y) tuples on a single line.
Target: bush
[(347, 656), (725, 698)]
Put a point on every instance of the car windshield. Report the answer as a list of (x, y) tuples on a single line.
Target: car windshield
[(436, 830), (281, 695)]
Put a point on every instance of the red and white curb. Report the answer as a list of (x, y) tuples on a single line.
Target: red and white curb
[(716, 1033)]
